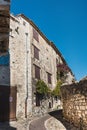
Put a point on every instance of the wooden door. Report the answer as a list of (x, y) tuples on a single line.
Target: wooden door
[(4, 103), (7, 103), (12, 100)]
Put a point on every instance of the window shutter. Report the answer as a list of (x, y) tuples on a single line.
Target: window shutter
[(37, 72), (36, 53), (35, 35)]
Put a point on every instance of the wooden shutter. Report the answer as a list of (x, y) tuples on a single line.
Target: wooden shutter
[(37, 72), (35, 35), (36, 53)]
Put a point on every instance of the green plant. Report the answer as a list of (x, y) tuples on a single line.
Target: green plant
[(56, 91), (62, 70), (42, 88)]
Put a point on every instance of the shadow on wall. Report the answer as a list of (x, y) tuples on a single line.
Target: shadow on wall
[(6, 93)]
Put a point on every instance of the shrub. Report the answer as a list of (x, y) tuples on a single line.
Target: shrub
[(56, 91), (42, 88)]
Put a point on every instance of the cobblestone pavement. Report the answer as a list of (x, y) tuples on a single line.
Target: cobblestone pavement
[(39, 124), (54, 124), (52, 121)]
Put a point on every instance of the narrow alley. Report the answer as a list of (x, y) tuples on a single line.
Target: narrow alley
[(52, 121)]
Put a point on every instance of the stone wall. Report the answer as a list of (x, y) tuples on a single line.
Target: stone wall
[(47, 105), (20, 64), (46, 63), (74, 99), (4, 42)]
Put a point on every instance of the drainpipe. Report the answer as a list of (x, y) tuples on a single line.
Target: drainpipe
[(26, 77)]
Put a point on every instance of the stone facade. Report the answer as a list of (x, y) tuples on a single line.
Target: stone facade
[(24, 37), (20, 64), (74, 99)]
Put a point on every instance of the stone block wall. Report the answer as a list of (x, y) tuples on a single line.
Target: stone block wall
[(4, 42), (74, 99), (46, 62), (20, 64)]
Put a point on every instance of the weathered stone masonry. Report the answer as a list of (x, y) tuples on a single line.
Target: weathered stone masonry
[(4, 41), (17, 60), (25, 36), (74, 98)]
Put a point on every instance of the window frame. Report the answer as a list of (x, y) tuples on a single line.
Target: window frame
[(49, 78), (36, 53), (37, 72), (35, 35), (37, 100)]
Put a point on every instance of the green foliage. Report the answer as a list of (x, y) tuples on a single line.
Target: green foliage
[(56, 91), (61, 75), (41, 88)]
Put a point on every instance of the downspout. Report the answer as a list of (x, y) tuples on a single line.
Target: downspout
[(26, 76)]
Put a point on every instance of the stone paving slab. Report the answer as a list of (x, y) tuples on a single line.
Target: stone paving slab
[(52, 121), (38, 124), (54, 124)]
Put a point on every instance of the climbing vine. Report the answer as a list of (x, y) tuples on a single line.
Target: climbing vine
[(62, 71), (56, 91)]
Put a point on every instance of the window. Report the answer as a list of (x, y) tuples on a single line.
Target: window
[(56, 61), (36, 53), (37, 72), (49, 78), (37, 100), (61, 74), (24, 23), (35, 35)]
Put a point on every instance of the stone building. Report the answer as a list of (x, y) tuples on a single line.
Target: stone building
[(31, 57)]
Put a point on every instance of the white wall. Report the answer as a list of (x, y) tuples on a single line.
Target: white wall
[(20, 63)]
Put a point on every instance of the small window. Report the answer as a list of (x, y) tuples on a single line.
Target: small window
[(36, 53), (37, 72), (61, 74), (35, 35), (56, 61), (24, 23), (49, 78)]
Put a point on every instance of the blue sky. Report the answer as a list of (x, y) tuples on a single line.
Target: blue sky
[(65, 23)]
